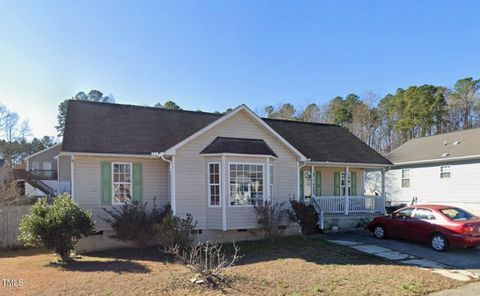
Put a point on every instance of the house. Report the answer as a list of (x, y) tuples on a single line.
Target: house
[(440, 169), (215, 167)]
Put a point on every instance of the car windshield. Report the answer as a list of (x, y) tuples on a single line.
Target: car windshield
[(457, 214)]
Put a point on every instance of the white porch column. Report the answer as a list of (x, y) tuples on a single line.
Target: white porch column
[(223, 190), (383, 190), (347, 179), (173, 185), (312, 179), (298, 181), (267, 183)]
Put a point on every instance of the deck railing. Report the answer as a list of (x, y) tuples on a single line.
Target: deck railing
[(351, 204)]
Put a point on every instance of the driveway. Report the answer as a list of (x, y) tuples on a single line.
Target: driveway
[(463, 259)]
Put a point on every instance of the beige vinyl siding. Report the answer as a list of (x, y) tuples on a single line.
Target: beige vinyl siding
[(328, 179), (191, 173), (88, 183), (64, 168), (47, 155), (462, 188)]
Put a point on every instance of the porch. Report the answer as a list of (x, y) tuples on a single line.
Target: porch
[(339, 190)]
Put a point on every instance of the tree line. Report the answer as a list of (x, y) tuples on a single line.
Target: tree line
[(386, 123)]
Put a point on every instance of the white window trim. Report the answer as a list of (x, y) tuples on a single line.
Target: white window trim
[(348, 183), (219, 184), (228, 183), (405, 178), (131, 182)]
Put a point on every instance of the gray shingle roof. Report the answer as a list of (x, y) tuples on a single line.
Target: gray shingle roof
[(238, 146), (442, 147), (126, 129)]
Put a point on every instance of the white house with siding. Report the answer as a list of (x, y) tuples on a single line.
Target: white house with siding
[(440, 169), (212, 166)]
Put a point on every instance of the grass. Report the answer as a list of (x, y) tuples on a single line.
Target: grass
[(291, 266)]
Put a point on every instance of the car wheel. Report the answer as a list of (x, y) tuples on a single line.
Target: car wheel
[(379, 232), (439, 242)]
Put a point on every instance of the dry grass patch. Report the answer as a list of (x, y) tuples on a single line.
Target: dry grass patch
[(291, 266)]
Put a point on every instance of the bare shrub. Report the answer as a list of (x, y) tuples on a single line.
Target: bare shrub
[(207, 260), (174, 232), (272, 218)]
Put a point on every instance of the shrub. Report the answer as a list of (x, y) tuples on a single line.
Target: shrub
[(305, 215), (207, 260), (133, 222), (272, 218), (174, 232), (57, 226)]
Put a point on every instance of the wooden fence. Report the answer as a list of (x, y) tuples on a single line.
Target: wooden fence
[(10, 218)]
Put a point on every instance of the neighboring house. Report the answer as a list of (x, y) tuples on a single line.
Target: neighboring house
[(215, 167), (49, 173), (440, 169)]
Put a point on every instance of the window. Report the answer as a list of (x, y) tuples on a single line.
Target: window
[(406, 213), (457, 214), (35, 166), (307, 183), (405, 178), (342, 183), (122, 182), (445, 171), (424, 214), (271, 182), (246, 184), (214, 184)]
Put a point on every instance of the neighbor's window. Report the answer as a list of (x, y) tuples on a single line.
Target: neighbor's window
[(246, 184), (348, 183), (214, 184), (405, 178), (445, 171), (122, 182)]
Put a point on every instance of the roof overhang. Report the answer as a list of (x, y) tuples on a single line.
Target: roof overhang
[(450, 159), (63, 153), (172, 150), (344, 164), (42, 151), (239, 155)]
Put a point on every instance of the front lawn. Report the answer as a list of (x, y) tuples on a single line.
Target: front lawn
[(291, 266)]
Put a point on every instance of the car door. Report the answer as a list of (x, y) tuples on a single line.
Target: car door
[(422, 224), (399, 223)]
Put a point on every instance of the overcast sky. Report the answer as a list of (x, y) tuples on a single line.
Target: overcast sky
[(212, 55)]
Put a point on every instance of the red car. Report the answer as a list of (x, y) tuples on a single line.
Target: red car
[(440, 226)]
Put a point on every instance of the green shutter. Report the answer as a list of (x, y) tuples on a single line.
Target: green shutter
[(336, 183), (318, 183), (353, 184), (106, 179), (137, 182), (302, 196)]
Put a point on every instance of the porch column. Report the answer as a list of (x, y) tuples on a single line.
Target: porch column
[(267, 174), (383, 191), (347, 204), (298, 181), (312, 179)]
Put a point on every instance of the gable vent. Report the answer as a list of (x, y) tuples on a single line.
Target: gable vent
[(445, 154)]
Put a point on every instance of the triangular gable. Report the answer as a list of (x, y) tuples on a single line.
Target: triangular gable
[(252, 115)]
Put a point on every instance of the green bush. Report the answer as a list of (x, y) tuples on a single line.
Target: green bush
[(272, 219), (305, 215), (57, 226), (133, 222), (175, 233)]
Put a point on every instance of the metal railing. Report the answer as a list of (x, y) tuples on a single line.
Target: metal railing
[(43, 174)]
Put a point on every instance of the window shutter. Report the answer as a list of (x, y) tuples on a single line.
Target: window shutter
[(318, 183), (302, 196), (353, 184), (106, 181), (137, 182), (336, 183)]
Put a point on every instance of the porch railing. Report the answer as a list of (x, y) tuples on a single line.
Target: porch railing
[(351, 204)]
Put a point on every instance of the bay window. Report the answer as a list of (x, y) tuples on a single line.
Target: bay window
[(246, 184)]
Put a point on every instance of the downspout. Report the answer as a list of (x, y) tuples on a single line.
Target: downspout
[(172, 178)]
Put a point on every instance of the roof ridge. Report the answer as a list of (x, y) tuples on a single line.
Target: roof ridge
[(143, 107), (300, 121), (447, 133)]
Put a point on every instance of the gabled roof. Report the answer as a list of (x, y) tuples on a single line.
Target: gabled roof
[(125, 129), (439, 148), (238, 146)]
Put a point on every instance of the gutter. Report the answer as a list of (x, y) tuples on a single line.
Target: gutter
[(162, 155)]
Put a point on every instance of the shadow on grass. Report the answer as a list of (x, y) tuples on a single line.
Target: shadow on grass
[(24, 252), (147, 254), (117, 266)]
